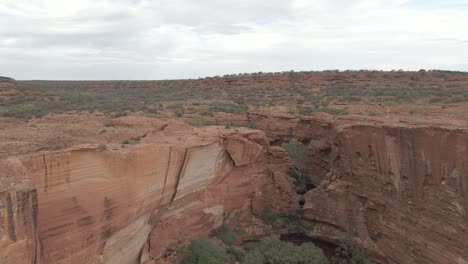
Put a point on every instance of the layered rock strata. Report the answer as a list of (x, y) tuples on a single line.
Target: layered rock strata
[(402, 192), (94, 205)]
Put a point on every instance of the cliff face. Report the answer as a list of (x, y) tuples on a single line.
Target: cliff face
[(91, 205), (18, 216), (401, 191)]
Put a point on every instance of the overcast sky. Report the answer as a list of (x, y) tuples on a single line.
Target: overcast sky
[(169, 39)]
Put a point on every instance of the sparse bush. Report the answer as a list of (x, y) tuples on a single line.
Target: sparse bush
[(132, 141), (296, 151), (306, 110), (118, 98), (199, 121), (227, 108), (269, 215), (416, 111), (225, 234), (271, 250), (252, 124), (348, 253), (334, 111), (178, 113), (203, 251), (236, 253), (435, 100), (388, 105), (375, 113)]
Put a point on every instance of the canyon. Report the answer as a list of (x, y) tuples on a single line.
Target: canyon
[(72, 192)]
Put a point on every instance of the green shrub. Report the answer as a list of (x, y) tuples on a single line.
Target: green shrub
[(436, 100), (199, 121), (334, 111), (225, 234), (416, 111), (179, 113), (227, 108), (254, 257), (271, 250), (236, 253), (269, 215), (348, 252), (297, 153), (388, 105), (132, 141), (306, 110), (203, 251), (252, 124), (375, 113)]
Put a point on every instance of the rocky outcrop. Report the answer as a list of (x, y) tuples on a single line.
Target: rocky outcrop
[(18, 216), (89, 204), (5, 81), (401, 191)]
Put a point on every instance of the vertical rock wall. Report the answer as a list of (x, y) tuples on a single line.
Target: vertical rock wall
[(18, 216), (88, 205), (402, 191)]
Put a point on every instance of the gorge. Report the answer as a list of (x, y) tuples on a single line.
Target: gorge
[(90, 187), (400, 189)]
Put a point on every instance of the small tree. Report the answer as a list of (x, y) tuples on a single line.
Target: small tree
[(388, 105), (296, 151)]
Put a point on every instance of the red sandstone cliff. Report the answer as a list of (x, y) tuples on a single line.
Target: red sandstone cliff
[(93, 205), (400, 189)]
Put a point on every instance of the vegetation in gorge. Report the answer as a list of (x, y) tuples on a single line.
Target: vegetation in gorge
[(225, 234), (296, 151), (271, 250), (203, 251), (348, 253)]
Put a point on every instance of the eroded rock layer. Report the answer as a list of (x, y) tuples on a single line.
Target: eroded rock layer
[(96, 205), (401, 191)]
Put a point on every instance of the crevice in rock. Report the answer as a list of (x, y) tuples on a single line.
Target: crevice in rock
[(166, 175), (11, 218), (46, 173), (179, 175)]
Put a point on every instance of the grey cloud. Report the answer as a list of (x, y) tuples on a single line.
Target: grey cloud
[(143, 39)]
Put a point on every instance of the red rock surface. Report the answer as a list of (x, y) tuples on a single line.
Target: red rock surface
[(401, 188), (103, 203), (402, 191)]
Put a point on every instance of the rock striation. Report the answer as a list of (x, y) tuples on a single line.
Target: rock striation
[(401, 190), (88, 204)]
